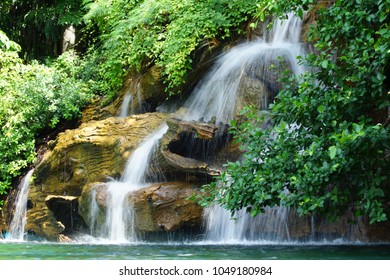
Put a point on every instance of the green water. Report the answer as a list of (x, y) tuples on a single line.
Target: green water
[(183, 251)]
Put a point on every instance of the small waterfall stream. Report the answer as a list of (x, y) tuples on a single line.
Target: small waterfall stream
[(18, 223), (216, 97), (132, 103), (118, 226), (127, 99)]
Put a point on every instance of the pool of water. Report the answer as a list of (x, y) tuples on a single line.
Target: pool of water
[(37, 250)]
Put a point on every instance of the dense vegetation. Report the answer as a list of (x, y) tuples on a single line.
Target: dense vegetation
[(38, 26), (328, 148), (137, 34), (33, 97)]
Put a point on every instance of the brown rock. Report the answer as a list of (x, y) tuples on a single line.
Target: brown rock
[(188, 146), (166, 206), (146, 90), (161, 206), (91, 153)]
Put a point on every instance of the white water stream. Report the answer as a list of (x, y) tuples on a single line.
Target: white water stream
[(119, 223), (216, 97), (131, 104), (18, 223), (127, 100)]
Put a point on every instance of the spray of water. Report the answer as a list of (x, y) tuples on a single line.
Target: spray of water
[(127, 100), (18, 223)]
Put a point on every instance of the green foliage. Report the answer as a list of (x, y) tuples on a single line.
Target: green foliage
[(6, 44), (280, 8), (165, 33), (33, 97), (328, 148)]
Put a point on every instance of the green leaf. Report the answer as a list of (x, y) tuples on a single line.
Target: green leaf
[(332, 152), (324, 64)]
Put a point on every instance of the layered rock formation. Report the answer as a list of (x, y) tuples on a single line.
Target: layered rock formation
[(83, 159), (91, 153), (160, 207)]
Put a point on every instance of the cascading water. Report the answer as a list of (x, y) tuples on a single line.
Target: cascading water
[(131, 104), (270, 226), (118, 226), (18, 223), (127, 99), (216, 97)]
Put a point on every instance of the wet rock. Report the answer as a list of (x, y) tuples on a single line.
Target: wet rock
[(161, 206), (91, 153), (146, 92), (166, 206), (3, 226), (189, 147), (64, 239)]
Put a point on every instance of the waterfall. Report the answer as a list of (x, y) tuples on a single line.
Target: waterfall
[(93, 212), (18, 223), (119, 224), (125, 105), (131, 104), (221, 227), (215, 97)]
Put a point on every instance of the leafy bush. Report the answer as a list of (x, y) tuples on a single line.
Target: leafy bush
[(328, 148), (33, 97), (165, 33)]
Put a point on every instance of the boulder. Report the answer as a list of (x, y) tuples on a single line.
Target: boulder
[(158, 207), (166, 206), (192, 147)]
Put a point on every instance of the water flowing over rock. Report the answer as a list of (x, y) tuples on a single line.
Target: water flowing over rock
[(158, 207), (18, 222), (141, 93), (91, 153), (246, 74)]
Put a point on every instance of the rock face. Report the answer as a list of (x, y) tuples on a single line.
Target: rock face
[(159, 207), (91, 153), (166, 207), (144, 90), (188, 146)]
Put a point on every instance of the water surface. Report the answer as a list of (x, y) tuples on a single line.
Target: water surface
[(197, 251)]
